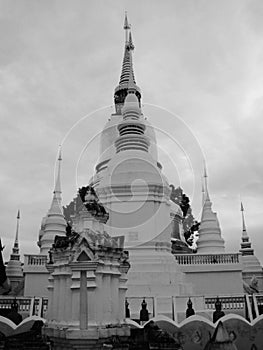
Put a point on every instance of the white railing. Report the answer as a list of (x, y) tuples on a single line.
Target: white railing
[(230, 303), (259, 299), (135, 306), (198, 259), (29, 306), (35, 260), (26, 306), (235, 302)]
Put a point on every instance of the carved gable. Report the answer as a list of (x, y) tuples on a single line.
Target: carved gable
[(83, 251), (83, 256)]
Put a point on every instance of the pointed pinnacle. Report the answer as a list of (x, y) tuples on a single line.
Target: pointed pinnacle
[(126, 23), (58, 184), (17, 226), (244, 229), (205, 183)]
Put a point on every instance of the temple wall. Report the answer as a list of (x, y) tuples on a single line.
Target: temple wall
[(36, 284), (217, 282), (139, 221), (195, 332)]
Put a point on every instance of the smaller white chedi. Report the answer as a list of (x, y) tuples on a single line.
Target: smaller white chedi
[(54, 222), (210, 240), (14, 270), (252, 270)]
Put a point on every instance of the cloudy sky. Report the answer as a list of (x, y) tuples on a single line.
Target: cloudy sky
[(199, 65)]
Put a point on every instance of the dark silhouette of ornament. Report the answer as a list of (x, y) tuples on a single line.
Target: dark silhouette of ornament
[(189, 311), (127, 310), (144, 313), (218, 313)]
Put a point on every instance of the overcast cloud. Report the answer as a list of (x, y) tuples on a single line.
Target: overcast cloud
[(200, 60)]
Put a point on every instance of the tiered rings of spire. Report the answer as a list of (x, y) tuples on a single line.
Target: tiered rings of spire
[(132, 127)]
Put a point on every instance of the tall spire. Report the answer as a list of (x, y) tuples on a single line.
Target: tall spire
[(244, 229), (251, 264), (56, 202), (127, 60), (210, 240), (127, 67), (16, 244), (246, 248), (15, 251), (54, 223), (14, 266)]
